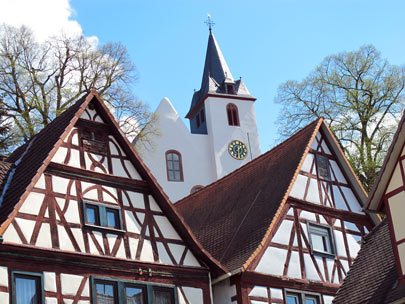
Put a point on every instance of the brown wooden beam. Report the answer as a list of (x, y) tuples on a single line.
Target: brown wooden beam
[(251, 278)]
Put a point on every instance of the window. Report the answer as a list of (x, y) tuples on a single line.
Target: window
[(198, 120), (174, 166), (102, 215), (126, 292), (94, 140), (27, 288), (202, 115), (106, 293), (321, 239), (229, 89), (233, 115), (297, 297), (322, 164)]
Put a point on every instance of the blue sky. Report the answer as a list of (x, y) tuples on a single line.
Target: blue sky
[(266, 42)]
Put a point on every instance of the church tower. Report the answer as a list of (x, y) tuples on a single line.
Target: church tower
[(222, 137), (224, 110)]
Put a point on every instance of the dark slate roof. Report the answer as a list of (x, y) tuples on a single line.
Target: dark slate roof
[(4, 169), (373, 275), (216, 73), (28, 158), (230, 217)]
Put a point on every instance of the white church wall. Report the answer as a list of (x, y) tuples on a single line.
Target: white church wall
[(194, 150), (221, 134)]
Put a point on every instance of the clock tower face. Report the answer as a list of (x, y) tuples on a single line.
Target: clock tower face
[(237, 149)]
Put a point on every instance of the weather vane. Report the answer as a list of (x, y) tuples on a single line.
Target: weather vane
[(209, 22)]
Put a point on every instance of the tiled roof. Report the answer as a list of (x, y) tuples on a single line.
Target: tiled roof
[(373, 275), (4, 169), (30, 157), (231, 216)]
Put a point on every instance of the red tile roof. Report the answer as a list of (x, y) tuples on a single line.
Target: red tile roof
[(373, 275), (231, 216)]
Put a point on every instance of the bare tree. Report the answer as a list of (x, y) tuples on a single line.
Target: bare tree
[(38, 81), (361, 97)]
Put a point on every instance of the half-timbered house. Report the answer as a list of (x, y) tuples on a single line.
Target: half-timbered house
[(82, 220), (286, 226), (378, 273)]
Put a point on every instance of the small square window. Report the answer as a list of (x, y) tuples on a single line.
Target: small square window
[(321, 239), (105, 292), (134, 294), (112, 218), (297, 297), (163, 295), (322, 164), (27, 288), (92, 216), (102, 215)]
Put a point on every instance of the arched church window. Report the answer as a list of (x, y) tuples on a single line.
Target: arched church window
[(233, 115), (174, 166)]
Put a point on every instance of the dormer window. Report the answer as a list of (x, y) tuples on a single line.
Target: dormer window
[(233, 115), (202, 115), (198, 120), (230, 89), (94, 140), (322, 164)]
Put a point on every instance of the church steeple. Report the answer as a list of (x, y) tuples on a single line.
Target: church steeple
[(217, 78)]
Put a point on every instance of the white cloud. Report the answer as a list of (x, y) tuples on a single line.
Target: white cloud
[(45, 17)]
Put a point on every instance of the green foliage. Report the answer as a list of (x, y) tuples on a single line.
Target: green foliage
[(361, 97), (38, 81)]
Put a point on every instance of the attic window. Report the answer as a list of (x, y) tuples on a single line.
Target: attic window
[(230, 89), (202, 114), (198, 120), (322, 164), (93, 140)]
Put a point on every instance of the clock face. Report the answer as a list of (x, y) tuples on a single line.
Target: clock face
[(237, 149)]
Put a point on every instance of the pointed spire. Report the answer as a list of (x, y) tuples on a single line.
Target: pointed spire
[(217, 75)]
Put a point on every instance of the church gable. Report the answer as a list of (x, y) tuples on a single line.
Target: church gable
[(322, 181)]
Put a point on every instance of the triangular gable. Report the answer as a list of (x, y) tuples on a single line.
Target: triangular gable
[(348, 195), (123, 162), (388, 169)]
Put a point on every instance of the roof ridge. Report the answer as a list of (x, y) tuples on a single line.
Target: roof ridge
[(247, 165)]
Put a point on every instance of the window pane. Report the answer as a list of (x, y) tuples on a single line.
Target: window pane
[(171, 175), (292, 299), (170, 156), (175, 156), (317, 242), (176, 165), (134, 295), (310, 300), (112, 218), (105, 293), (170, 165), (162, 296), (27, 290), (177, 176), (91, 214)]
